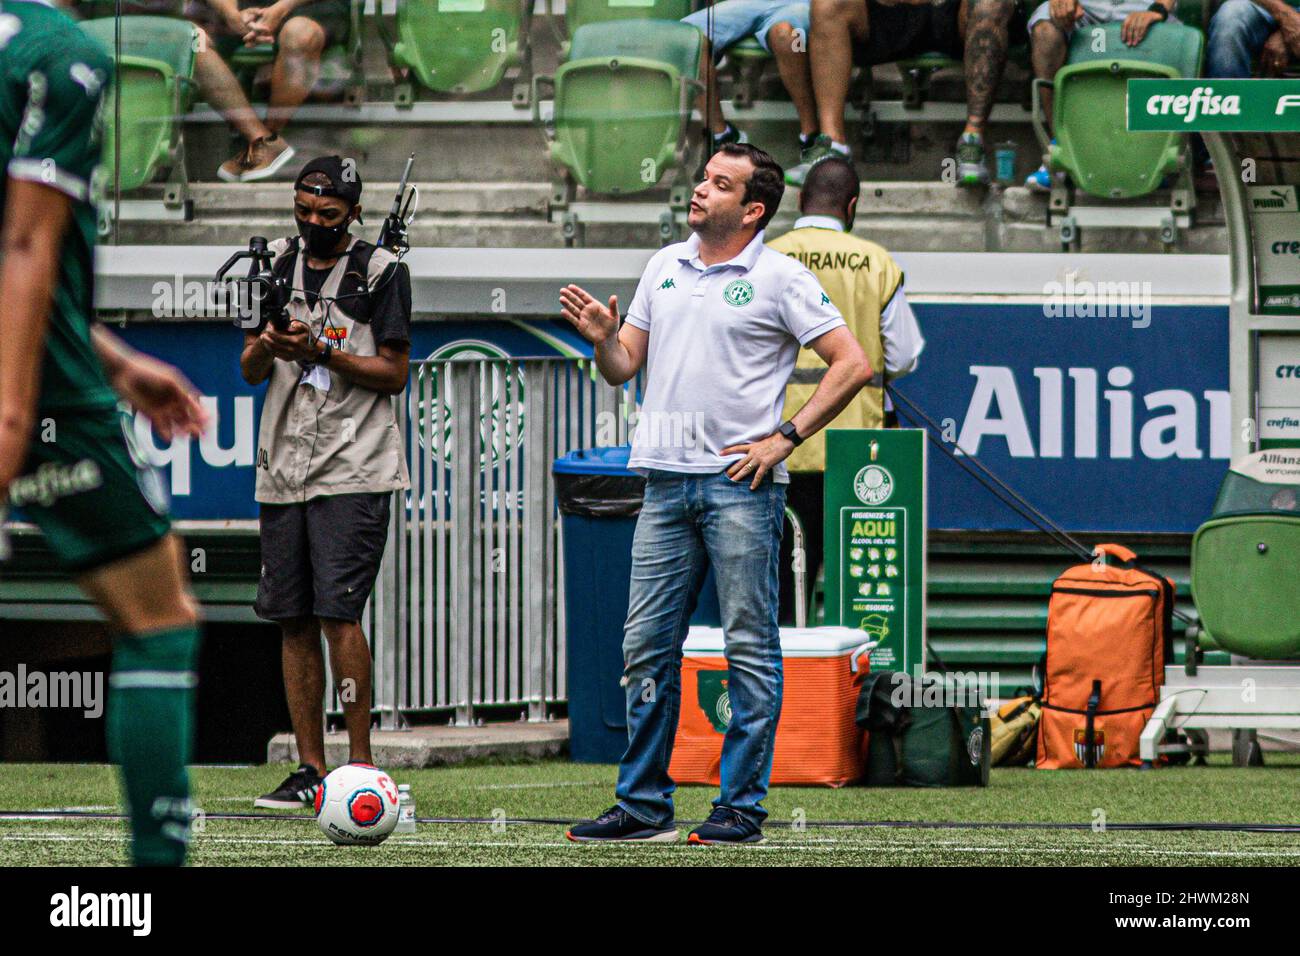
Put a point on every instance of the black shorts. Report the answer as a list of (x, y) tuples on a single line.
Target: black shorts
[(320, 557), (904, 30)]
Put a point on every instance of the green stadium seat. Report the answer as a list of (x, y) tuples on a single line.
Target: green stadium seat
[(622, 103), (155, 83), (1089, 114), (458, 46), (579, 13)]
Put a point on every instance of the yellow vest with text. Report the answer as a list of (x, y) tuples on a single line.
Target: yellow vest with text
[(861, 278)]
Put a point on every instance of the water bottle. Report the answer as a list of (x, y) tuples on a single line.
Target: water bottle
[(1004, 155), (405, 809)]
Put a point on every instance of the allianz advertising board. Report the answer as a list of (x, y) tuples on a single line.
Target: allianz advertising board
[(1104, 424)]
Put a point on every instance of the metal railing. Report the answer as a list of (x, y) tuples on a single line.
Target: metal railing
[(468, 611)]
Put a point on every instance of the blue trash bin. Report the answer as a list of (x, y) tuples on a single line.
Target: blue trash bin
[(599, 499)]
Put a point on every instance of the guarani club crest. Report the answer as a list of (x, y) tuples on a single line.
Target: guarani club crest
[(738, 293), (503, 402)]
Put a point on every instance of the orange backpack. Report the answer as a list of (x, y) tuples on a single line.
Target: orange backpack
[(1109, 635)]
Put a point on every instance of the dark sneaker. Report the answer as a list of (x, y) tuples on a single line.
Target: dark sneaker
[(729, 135), (298, 790), (972, 168), (616, 824), (821, 148), (725, 826)]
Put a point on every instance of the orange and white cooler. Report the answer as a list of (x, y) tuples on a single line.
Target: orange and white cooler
[(817, 740)]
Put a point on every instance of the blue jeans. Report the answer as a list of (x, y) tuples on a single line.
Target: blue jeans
[(687, 523), (1238, 30)]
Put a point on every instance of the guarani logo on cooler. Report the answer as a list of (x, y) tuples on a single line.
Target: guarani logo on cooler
[(501, 423)]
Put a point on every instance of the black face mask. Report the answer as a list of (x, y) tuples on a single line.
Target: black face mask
[(321, 241)]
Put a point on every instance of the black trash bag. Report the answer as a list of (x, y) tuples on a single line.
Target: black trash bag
[(599, 496)]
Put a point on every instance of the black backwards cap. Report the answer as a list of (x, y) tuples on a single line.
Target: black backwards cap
[(343, 175)]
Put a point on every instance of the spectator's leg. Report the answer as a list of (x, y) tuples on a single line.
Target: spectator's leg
[(835, 25), (301, 42), (708, 103), (790, 47), (223, 93), (983, 28), (1048, 47), (1237, 34)]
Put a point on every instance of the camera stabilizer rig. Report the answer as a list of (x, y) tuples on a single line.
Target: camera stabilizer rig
[(262, 293)]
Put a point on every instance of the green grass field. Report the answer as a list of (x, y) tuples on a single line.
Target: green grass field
[(556, 790)]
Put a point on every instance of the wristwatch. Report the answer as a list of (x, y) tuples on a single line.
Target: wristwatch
[(790, 432), (324, 357), (1159, 8)]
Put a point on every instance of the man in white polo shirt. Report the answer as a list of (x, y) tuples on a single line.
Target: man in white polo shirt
[(718, 321)]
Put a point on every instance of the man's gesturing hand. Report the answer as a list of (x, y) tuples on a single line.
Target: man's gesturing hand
[(594, 322), (163, 395), (760, 458)]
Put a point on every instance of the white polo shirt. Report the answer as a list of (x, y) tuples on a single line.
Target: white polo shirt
[(723, 342)]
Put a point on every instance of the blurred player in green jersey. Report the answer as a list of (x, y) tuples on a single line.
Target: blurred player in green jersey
[(66, 453)]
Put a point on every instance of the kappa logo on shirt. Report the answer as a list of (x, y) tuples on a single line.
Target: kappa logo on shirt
[(667, 284)]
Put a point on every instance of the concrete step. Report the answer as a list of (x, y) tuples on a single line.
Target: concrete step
[(471, 231), (441, 198), (440, 746)]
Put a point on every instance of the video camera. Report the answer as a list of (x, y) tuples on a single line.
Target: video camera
[(261, 293)]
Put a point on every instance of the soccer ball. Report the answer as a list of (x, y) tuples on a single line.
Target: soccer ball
[(357, 805)]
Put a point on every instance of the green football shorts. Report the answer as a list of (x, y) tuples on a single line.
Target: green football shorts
[(87, 487)]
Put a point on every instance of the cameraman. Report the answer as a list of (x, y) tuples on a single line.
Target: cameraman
[(329, 455)]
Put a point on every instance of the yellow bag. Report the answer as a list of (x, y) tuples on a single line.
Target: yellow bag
[(1014, 732)]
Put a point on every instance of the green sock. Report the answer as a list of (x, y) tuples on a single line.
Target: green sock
[(150, 733)]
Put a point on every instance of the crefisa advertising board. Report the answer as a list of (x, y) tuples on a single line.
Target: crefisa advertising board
[(1103, 423)]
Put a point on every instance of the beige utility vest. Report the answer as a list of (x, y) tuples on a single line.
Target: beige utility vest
[(327, 441), (861, 278)]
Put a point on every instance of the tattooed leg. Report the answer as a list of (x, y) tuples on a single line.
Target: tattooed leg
[(983, 25)]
